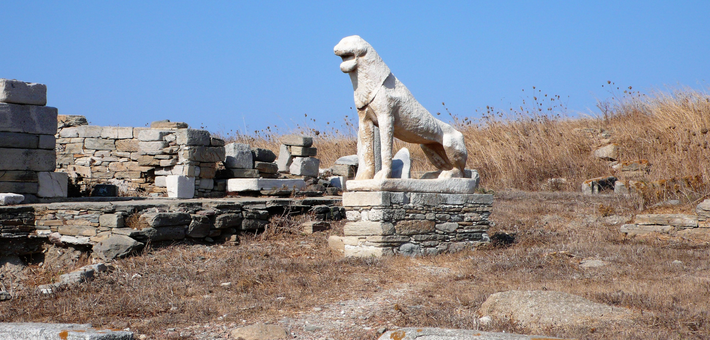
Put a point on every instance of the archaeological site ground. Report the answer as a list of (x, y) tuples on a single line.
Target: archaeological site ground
[(586, 228)]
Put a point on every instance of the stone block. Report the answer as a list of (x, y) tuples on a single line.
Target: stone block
[(266, 168), (167, 124), (111, 220), (336, 243), (159, 220), (116, 246), (71, 120), (208, 170), (229, 220), (18, 140), (362, 251), (311, 227), (635, 229), (251, 224), (11, 199), (216, 141), (206, 154), (89, 131), (165, 233), (304, 166), (193, 137), (104, 190), (180, 186), (99, 144), (41, 120), (244, 173), (348, 160), (365, 198), (53, 184), (199, 227), (367, 228), (609, 152), (27, 159), (147, 160), (258, 184), (18, 176), (676, 220), (345, 170), (152, 135), (299, 151), (444, 186), (20, 92), (152, 148), (295, 140), (412, 227), (448, 227), (160, 181), (285, 159), (116, 132), (238, 156), (263, 155), (703, 210), (77, 230), (47, 142)]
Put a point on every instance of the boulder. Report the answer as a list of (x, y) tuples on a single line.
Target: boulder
[(116, 246), (543, 310), (608, 152), (260, 331)]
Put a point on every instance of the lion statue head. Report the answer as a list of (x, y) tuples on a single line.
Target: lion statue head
[(367, 70)]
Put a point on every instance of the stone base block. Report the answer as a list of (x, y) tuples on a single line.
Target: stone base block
[(53, 184), (20, 92), (304, 166), (445, 186), (180, 186), (27, 159), (412, 223), (40, 120), (258, 184)]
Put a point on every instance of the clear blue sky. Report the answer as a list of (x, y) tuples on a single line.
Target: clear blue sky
[(246, 65)]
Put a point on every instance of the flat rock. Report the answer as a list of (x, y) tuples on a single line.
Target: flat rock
[(53, 331), (295, 140), (259, 331), (676, 220), (453, 334), (348, 160), (444, 186), (116, 246), (258, 184), (541, 310), (10, 199)]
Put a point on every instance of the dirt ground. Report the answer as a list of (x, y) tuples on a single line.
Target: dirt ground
[(199, 291)]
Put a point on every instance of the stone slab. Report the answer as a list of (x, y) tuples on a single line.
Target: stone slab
[(367, 228), (365, 198), (116, 132), (18, 176), (295, 140), (263, 155), (258, 184), (447, 186), (53, 184), (193, 137), (304, 166), (428, 333), (18, 140), (10, 199), (20, 92), (54, 331), (47, 142), (19, 187), (244, 173), (676, 220), (299, 151), (27, 159), (28, 119)]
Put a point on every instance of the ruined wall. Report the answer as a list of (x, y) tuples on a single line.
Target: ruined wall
[(137, 160)]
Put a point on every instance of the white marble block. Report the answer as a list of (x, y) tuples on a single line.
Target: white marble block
[(20, 92), (238, 156), (257, 184), (304, 166), (285, 159), (180, 186), (53, 184), (10, 199)]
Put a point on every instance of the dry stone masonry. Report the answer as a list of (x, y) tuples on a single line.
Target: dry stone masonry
[(27, 128)]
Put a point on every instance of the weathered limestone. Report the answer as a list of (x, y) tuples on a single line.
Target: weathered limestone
[(380, 93), (52, 184), (304, 166), (20, 92), (10, 199), (53, 331), (238, 156), (180, 186), (448, 186), (663, 223), (608, 152), (412, 223), (38, 120), (258, 184)]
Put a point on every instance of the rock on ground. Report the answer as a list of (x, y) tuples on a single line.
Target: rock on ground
[(116, 246), (540, 310), (452, 334), (260, 331)]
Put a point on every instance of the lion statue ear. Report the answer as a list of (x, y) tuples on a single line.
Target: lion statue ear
[(371, 74)]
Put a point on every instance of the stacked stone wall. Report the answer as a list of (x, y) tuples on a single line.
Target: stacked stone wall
[(412, 223), (27, 128)]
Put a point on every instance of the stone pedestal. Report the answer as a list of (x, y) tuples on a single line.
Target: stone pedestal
[(411, 219)]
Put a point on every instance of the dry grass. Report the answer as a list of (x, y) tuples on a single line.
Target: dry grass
[(283, 274)]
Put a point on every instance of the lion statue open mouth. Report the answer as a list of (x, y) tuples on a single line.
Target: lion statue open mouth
[(383, 101)]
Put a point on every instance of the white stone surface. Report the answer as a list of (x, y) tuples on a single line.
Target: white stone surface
[(53, 184), (238, 156), (180, 186), (304, 166), (116, 132), (256, 184), (365, 198), (380, 93), (41, 120), (368, 228), (362, 251), (448, 185), (20, 92), (285, 159), (149, 135), (402, 164), (347, 160), (295, 140), (161, 181), (10, 198)]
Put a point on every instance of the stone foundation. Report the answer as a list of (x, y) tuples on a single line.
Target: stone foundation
[(412, 223)]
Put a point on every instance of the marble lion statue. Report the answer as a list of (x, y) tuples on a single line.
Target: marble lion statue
[(383, 101)]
